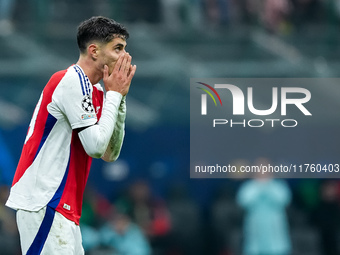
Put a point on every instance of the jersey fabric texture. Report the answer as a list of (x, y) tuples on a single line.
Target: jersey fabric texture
[(54, 167)]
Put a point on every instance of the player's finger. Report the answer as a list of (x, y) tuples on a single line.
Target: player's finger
[(118, 63), (105, 72), (130, 68), (128, 65), (124, 61), (132, 72)]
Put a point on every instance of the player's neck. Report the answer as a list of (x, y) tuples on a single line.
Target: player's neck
[(90, 70)]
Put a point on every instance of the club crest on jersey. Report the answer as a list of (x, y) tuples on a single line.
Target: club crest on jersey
[(67, 207), (86, 104)]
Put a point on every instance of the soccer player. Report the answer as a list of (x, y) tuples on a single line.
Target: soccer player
[(72, 123)]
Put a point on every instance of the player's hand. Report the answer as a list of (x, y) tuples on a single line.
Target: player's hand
[(120, 78)]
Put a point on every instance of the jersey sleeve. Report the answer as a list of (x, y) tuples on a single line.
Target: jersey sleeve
[(116, 141), (73, 97)]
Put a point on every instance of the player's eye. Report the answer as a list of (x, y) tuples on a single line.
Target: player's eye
[(118, 49)]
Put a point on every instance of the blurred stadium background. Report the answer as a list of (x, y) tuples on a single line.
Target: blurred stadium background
[(171, 41)]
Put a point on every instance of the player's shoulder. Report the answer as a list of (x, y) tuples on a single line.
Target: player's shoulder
[(73, 74), (63, 76), (57, 77), (74, 79), (58, 74)]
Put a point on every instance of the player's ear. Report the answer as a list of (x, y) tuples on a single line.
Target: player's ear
[(92, 50)]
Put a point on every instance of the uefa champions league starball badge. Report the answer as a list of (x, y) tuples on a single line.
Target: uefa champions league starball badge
[(87, 104)]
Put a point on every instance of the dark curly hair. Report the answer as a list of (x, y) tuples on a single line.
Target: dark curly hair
[(100, 29)]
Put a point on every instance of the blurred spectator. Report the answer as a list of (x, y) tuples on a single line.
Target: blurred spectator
[(219, 11), (226, 220), (265, 226), (308, 195), (187, 232), (149, 213), (95, 209), (9, 236), (273, 15), (91, 239), (171, 14), (252, 8), (177, 14), (142, 11), (124, 236), (6, 13), (326, 217), (194, 12)]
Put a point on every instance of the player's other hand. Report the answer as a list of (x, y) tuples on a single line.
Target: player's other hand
[(120, 78)]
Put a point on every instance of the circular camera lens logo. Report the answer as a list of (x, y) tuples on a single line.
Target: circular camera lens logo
[(87, 104)]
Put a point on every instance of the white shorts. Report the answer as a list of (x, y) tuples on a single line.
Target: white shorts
[(48, 232)]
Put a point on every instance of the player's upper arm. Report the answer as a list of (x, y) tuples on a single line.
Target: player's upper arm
[(73, 98)]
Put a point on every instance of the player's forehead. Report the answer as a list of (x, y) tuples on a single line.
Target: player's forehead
[(117, 41)]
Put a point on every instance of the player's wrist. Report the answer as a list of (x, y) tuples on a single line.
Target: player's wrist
[(120, 91), (112, 94)]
